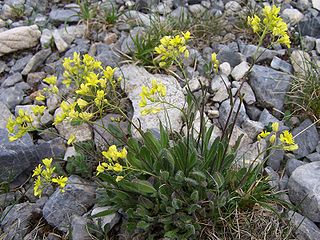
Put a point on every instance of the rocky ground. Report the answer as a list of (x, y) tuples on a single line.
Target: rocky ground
[(35, 36)]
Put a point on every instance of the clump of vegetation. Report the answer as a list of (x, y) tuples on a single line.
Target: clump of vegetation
[(177, 185), (304, 96)]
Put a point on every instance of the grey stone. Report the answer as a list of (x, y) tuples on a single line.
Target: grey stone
[(82, 132), (253, 112), (61, 45), (12, 80), (79, 228), (220, 95), (220, 81), (305, 229), (252, 128), (225, 109), (138, 17), (36, 61), (316, 4), (225, 68), (292, 16), (300, 61), (313, 157), (281, 65), (20, 159), (21, 63), (107, 55), (303, 5), (128, 45), (307, 138), (308, 43), (180, 13), (232, 8), (240, 71), (197, 9), (34, 79), (228, 55), (292, 164), (275, 159), (17, 220), (310, 27), (11, 97), (48, 134), (107, 222), (63, 15), (270, 86), (7, 199), (303, 186), (262, 54), (273, 178), (19, 38), (266, 117), (101, 133), (248, 94), (79, 195), (132, 86), (46, 38)]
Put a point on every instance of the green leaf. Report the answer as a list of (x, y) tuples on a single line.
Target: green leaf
[(165, 175), (143, 225), (193, 207), (171, 234), (176, 203), (144, 186), (195, 196), (105, 213), (170, 210), (115, 131), (164, 138)]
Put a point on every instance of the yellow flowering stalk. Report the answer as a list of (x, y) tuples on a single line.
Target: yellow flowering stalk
[(153, 95), (215, 62), (271, 24), (44, 175), (171, 49), (113, 156), (286, 139), (22, 124)]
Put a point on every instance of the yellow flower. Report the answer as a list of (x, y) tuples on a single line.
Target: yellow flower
[(37, 171), (82, 103), (72, 139), (52, 80), (67, 82), (111, 154), (47, 162), (10, 125), (119, 178), (85, 116), (117, 167), (262, 135), (61, 181), (123, 153), (109, 72), (215, 61), (40, 97), (143, 101), (275, 126), (254, 22), (47, 173), (100, 169), (38, 110), (59, 118), (284, 40), (292, 147), (37, 189), (272, 139), (84, 89), (286, 137)]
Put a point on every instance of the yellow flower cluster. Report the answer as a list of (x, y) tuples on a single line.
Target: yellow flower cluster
[(52, 82), (22, 124), (152, 94), (215, 62), (171, 49), (43, 176), (112, 155), (271, 24), (95, 88), (286, 139)]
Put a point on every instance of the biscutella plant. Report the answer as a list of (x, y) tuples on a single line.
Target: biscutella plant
[(172, 49), (270, 23), (44, 176)]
